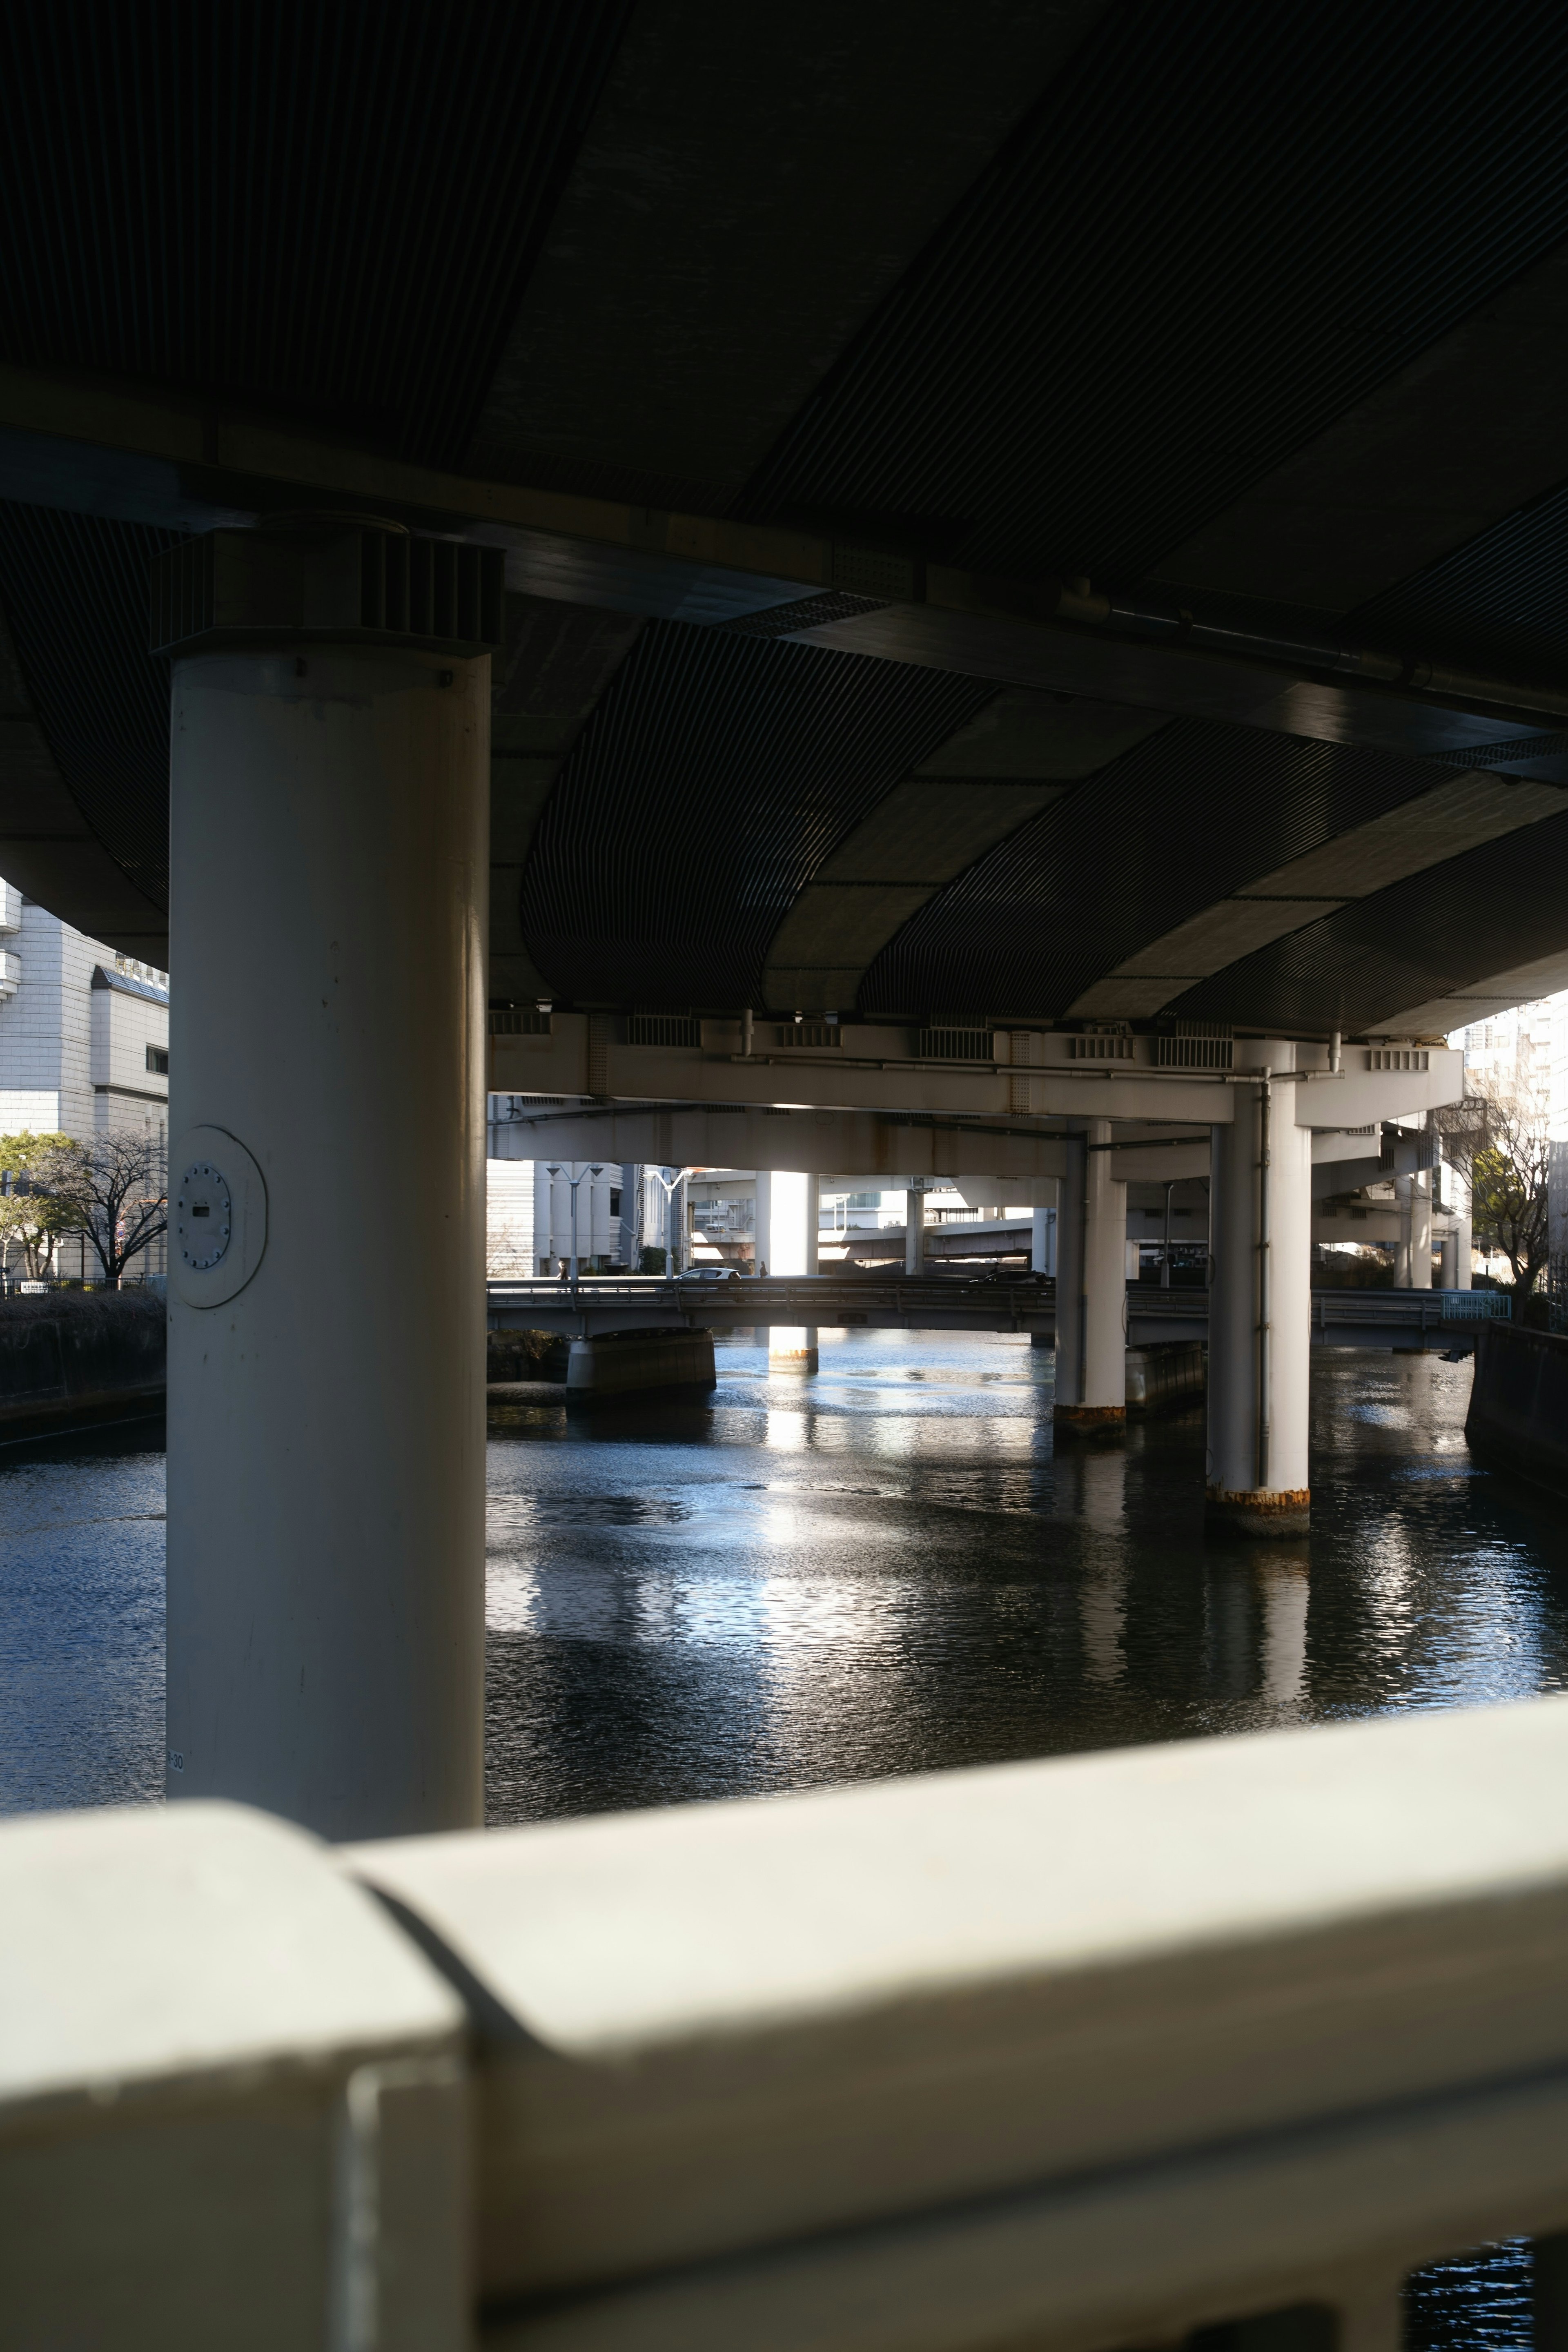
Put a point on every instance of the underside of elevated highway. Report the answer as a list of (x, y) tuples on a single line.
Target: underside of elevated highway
[(922, 594), (877, 599)]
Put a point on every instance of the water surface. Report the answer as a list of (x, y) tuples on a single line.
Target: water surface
[(890, 1567), (893, 1568)]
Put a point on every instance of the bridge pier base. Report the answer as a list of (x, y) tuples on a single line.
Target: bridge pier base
[(1260, 1310), (787, 1245), (326, 1399), (1092, 1291)]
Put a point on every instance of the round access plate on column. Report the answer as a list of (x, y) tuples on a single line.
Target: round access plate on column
[(218, 1216)]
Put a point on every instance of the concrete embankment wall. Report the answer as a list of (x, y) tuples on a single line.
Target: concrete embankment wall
[(1519, 1402), (79, 1356), (1172, 1375)]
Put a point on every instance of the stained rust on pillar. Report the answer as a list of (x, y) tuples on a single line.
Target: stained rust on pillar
[(1262, 1511)]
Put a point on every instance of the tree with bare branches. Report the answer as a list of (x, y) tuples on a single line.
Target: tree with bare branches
[(30, 1216), (1497, 1139), (114, 1190)]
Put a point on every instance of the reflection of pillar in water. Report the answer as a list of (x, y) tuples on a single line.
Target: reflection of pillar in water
[(1283, 1643), (1103, 1489), (1102, 1615), (1230, 1632)]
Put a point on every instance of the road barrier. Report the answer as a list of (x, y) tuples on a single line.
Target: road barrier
[(1082, 2055), (949, 1302)]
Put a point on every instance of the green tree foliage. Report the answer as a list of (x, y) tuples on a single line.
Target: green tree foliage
[(31, 1218), (1498, 1142)]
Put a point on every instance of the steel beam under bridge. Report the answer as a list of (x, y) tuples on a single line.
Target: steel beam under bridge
[(837, 1142), (1398, 1319)]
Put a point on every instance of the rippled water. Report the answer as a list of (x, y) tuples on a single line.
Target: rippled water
[(886, 1569), (891, 1567)]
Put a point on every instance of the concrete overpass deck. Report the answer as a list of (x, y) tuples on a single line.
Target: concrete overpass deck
[(595, 1306)]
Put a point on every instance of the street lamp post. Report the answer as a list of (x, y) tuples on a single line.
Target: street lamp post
[(672, 1185)]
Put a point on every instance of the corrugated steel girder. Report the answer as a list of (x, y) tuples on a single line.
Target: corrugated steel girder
[(1167, 829), (1220, 227), (327, 211), (716, 774), (75, 590)]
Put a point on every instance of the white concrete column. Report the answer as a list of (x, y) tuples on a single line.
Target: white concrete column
[(1464, 1273), (329, 851), (1421, 1230), (1260, 1308), (1092, 1286), (915, 1229), (1042, 1240), (1402, 1198), (787, 1214)]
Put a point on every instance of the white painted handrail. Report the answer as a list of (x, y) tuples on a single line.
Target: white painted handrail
[(1077, 2054)]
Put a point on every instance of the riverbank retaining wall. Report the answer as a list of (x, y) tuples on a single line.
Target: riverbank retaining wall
[(77, 1356), (1519, 1402)]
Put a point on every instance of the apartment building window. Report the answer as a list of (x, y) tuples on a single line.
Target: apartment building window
[(158, 1060)]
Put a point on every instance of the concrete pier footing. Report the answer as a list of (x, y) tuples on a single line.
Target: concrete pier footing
[(1283, 1511), (1089, 1420), (638, 1363)]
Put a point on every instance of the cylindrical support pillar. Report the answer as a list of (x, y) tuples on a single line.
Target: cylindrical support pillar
[(787, 1212), (915, 1229), (1091, 1287), (1042, 1240), (326, 1623), (1450, 1261), (1464, 1276), (1260, 1310), (1421, 1230), (1402, 1201)]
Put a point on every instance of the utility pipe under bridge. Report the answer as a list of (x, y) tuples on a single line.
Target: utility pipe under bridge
[(1340, 1318)]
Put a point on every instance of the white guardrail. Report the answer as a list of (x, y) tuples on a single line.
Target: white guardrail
[(1083, 2054)]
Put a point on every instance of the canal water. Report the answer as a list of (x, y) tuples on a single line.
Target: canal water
[(889, 1568)]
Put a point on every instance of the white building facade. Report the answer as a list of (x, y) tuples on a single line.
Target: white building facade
[(84, 1033), (84, 1045)]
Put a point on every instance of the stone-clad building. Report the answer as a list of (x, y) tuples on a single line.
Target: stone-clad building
[(84, 1041)]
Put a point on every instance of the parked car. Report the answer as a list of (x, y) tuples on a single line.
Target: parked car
[(710, 1274)]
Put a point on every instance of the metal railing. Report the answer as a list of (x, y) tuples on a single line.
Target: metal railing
[(1082, 2054), (948, 1301), (1476, 1306)]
